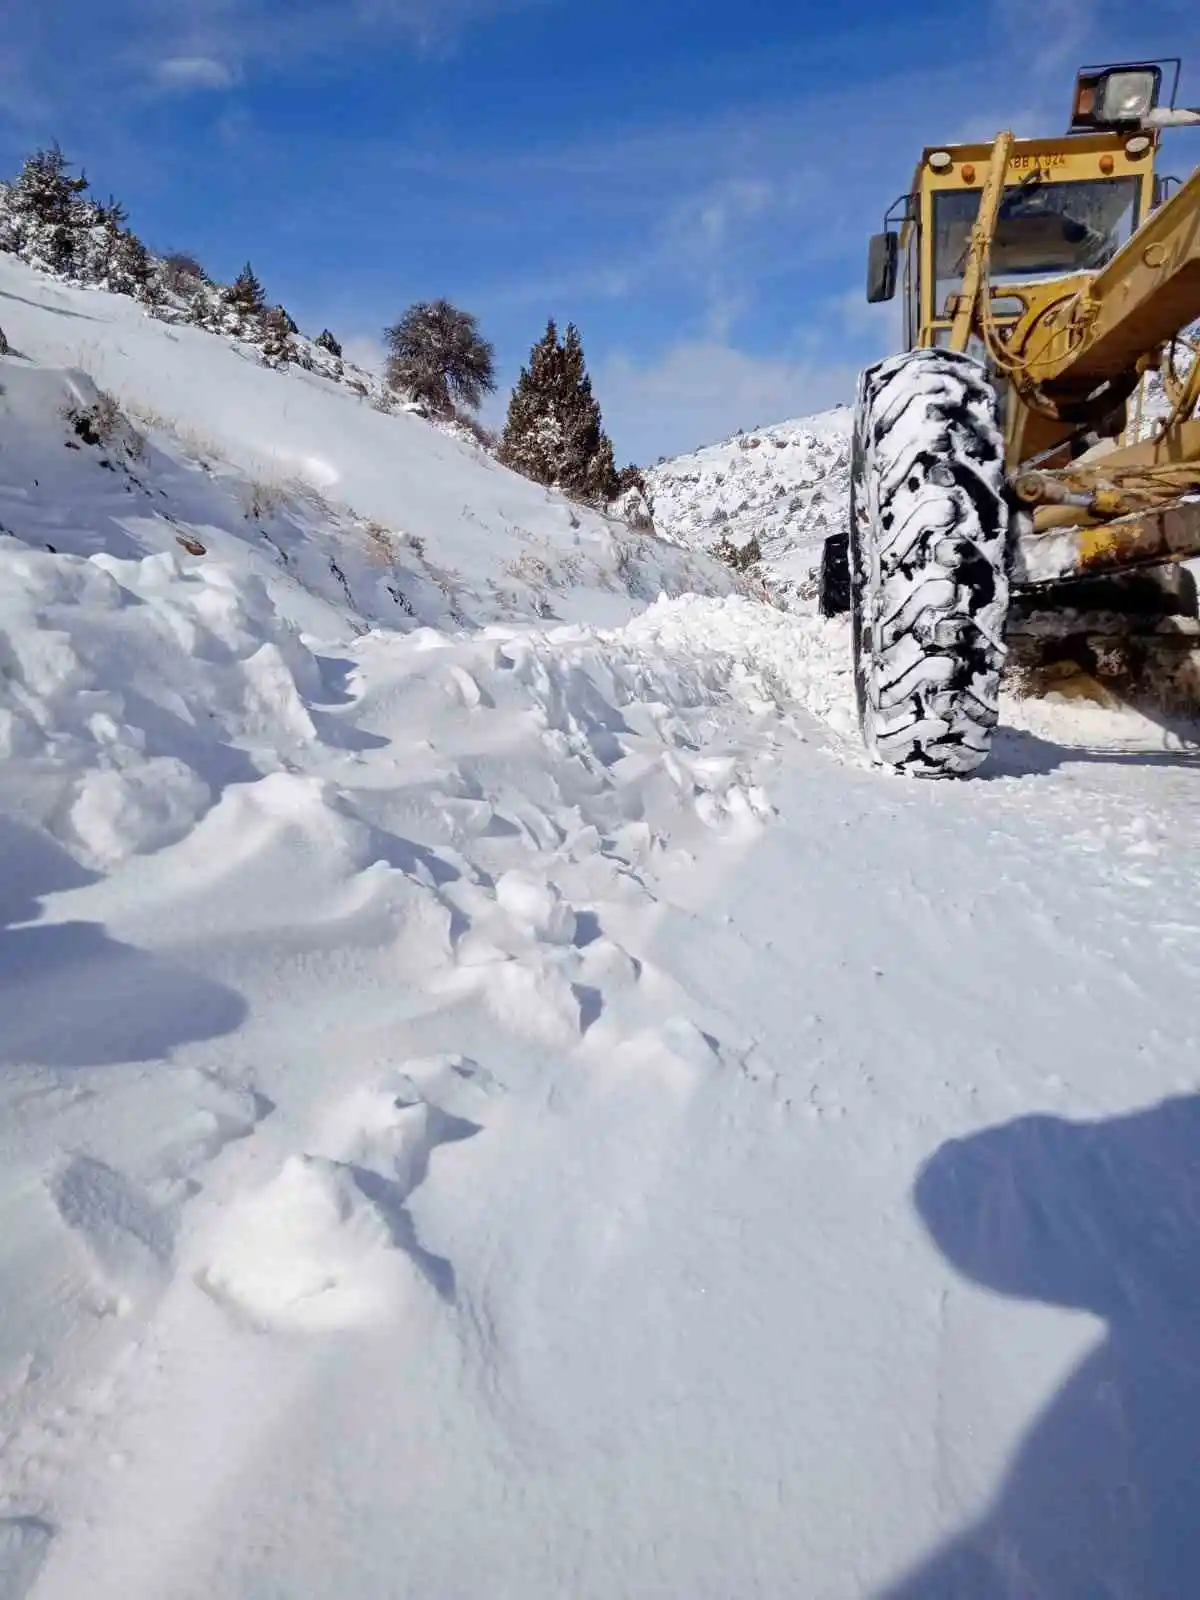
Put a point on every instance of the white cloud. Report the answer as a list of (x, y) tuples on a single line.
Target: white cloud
[(702, 390), (876, 330), (704, 239), (194, 72), (272, 33), (364, 351), (1050, 37)]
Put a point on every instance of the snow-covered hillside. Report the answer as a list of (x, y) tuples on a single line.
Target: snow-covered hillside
[(496, 1098), (383, 515), (787, 486)]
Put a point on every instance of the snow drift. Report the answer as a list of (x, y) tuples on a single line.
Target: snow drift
[(496, 1097)]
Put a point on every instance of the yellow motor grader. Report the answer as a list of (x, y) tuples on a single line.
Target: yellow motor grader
[(1026, 473)]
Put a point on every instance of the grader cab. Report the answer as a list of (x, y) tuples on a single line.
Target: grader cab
[(1026, 474)]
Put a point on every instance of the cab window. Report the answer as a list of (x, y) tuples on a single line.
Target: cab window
[(1043, 229)]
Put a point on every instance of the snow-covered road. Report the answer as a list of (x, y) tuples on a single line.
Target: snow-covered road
[(508, 1104), (511, 1155)]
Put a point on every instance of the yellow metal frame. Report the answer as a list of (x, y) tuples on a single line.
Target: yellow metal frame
[(1069, 159), (1069, 350)]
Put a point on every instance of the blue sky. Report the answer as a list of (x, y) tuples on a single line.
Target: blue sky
[(692, 183)]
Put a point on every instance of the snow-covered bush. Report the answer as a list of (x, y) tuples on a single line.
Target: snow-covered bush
[(742, 558)]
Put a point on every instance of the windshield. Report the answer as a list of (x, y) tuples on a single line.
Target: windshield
[(1043, 229)]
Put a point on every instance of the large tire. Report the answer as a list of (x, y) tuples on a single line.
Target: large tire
[(833, 578), (928, 557)]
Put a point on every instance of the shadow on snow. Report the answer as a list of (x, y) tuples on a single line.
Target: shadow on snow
[(1019, 754), (72, 996), (1102, 1497)]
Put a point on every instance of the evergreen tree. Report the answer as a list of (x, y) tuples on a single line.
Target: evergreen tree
[(246, 297), (554, 433), (47, 207), (438, 354), (326, 341), (45, 191), (532, 439), (131, 266), (109, 213), (200, 308)]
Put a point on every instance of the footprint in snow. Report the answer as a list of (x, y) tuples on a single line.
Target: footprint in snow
[(24, 1545), (129, 1240)]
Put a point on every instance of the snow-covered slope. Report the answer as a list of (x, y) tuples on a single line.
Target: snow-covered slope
[(384, 515), (787, 486), (520, 1110)]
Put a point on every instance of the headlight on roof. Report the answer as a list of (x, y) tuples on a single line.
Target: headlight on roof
[(1127, 96), (1115, 97)]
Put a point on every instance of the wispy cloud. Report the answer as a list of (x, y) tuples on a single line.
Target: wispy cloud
[(366, 351), (194, 72), (126, 51), (265, 36), (1049, 36), (706, 389)]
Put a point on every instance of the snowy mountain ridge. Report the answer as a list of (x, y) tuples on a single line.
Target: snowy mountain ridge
[(786, 486)]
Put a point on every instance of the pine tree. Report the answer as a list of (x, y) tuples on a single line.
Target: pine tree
[(532, 439), (47, 204), (131, 267), (437, 353), (110, 213), (246, 298), (326, 341), (554, 433), (45, 191)]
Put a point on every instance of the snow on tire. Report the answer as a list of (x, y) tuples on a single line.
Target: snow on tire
[(929, 584)]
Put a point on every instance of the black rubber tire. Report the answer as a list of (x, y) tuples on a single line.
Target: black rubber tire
[(833, 580), (929, 522)]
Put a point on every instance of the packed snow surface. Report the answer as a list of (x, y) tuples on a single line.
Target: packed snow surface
[(511, 1105)]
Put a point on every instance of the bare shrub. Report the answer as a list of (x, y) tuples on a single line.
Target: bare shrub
[(180, 273), (742, 558), (260, 499), (381, 547), (104, 425)]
